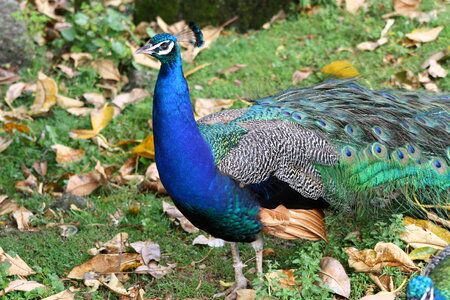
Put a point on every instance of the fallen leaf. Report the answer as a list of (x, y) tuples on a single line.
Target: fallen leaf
[(284, 278), (66, 154), (135, 96), (146, 148), (334, 277), (422, 253), (48, 8), (370, 46), (246, 294), (5, 142), (16, 265), (100, 118), (173, 212), (79, 59), (40, 167), (154, 182), (7, 77), (106, 263), (436, 70), (353, 6), (112, 282), (406, 5), (381, 296), (301, 74), (155, 270), (85, 184), (281, 15), (192, 71), (79, 111), (435, 57), (424, 35), (46, 92), (11, 126), (406, 80), (341, 69), (107, 69), (114, 245), (14, 91), (232, 69), (148, 250), (21, 285), (7, 206), (204, 107), (423, 233), (71, 73), (95, 98), (64, 295), (67, 103), (383, 281), (22, 217), (211, 241), (383, 255)]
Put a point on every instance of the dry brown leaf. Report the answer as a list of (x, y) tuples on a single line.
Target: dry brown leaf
[(353, 6), (204, 107), (174, 213), (281, 15), (100, 118), (435, 57), (155, 270), (384, 282), (85, 184), (66, 102), (79, 59), (95, 98), (115, 245), (341, 69), (112, 282), (370, 46), (7, 206), (405, 5), (423, 233), (106, 263), (14, 91), (146, 148), (79, 111), (21, 285), (71, 73), (301, 74), (246, 294), (27, 185), (154, 183), (16, 265), (7, 77), (48, 8), (436, 70), (334, 277), (406, 80), (381, 296), (148, 250), (135, 96), (383, 255), (107, 69), (64, 295), (22, 217), (11, 126), (232, 69), (66, 154), (5, 142), (424, 35), (40, 167), (284, 278), (211, 241), (46, 92)]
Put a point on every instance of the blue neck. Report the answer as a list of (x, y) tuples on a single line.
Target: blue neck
[(184, 159)]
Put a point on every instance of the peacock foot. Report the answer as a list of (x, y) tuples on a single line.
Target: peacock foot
[(231, 293)]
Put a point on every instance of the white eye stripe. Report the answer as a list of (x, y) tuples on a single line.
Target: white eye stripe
[(167, 51)]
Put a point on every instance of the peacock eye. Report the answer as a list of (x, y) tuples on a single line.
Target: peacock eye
[(164, 46)]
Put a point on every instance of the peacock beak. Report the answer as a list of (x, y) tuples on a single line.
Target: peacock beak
[(146, 49)]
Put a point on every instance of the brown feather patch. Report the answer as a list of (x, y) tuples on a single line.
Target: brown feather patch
[(286, 223)]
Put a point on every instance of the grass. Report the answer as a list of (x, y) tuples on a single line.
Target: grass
[(271, 57)]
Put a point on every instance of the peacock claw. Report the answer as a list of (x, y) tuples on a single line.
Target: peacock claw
[(231, 293)]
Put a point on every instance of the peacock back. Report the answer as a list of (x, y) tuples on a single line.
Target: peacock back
[(342, 142)]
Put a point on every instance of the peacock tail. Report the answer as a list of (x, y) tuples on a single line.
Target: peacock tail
[(343, 142)]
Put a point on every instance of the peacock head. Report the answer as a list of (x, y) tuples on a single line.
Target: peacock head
[(420, 288), (164, 46)]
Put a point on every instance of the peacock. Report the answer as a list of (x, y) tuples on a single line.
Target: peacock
[(274, 166), (435, 282)]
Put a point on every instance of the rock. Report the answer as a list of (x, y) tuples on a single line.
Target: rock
[(15, 45)]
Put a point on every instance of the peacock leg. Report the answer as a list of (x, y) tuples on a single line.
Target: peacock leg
[(258, 246), (240, 280)]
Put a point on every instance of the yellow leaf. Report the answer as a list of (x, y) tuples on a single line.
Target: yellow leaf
[(46, 92), (341, 69), (422, 253), (146, 148), (99, 120)]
